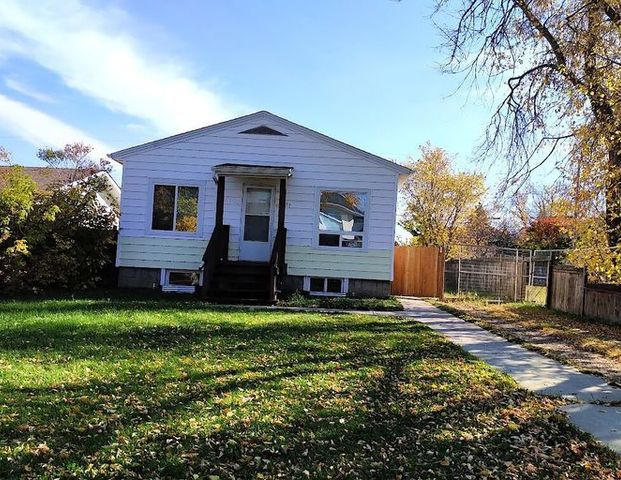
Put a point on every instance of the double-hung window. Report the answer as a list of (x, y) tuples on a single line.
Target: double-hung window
[(342, 218), (175, 208)]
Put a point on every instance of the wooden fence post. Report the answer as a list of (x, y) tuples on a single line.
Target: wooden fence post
[(515, 284), (459, 270), (585, 281), (440, 273), (550, 280)]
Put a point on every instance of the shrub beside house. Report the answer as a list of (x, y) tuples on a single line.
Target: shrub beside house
[(58, 228)]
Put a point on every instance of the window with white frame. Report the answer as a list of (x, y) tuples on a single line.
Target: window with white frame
[(182, 281), (175, 208), (326, 286), (342, 218)]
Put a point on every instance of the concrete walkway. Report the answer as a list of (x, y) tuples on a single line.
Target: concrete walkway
[(533, 372)]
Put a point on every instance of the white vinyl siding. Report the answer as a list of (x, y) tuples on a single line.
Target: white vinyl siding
[(370, 264), (317, 165), (154, 252)]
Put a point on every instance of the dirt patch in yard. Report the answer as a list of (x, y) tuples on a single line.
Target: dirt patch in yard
[(590, 347)]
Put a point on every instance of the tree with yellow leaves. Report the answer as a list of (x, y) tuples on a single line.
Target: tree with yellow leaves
[(438, 199)]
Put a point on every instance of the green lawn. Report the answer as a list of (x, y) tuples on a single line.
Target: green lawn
[(342, 303), (172, 389)]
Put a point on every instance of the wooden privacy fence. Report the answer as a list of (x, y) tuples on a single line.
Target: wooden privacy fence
[(419, 271), (569, 291)]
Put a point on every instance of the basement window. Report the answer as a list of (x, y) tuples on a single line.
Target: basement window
[(181, 281), (324, 286)]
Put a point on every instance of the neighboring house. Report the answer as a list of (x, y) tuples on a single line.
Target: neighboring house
[(402, 236), (255, 205), (47, 178)]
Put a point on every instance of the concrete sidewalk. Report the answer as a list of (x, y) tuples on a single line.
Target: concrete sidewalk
[(533, 372)]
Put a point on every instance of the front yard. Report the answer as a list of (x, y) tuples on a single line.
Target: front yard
[(134, 388)]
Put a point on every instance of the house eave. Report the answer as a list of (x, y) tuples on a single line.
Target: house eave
[(245, 170), (113, 156), (260, 116)]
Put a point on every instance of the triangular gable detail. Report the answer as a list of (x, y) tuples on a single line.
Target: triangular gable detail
[(262, 117), (263, 130)]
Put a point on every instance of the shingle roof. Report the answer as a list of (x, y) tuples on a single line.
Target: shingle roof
[(47, 177)]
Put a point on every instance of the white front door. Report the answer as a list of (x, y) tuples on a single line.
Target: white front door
[(255, 243)]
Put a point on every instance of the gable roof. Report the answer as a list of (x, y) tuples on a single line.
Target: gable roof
[(258, 117)]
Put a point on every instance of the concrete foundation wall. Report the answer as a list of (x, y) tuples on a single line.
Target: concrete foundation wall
[(357, 287), (369, 288), (134, 277), (292, 283)]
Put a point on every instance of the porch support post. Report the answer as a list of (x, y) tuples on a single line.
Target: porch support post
[(282, 202), (220, 202)]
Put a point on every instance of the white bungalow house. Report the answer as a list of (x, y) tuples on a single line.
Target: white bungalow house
[(246, 208)]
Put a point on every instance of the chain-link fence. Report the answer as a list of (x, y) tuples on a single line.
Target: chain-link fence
[(497, 274)]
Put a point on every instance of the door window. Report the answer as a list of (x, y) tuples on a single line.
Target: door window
[(257, 215)]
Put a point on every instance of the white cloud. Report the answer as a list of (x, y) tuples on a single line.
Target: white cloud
[(89, 50), (19, 87), (41, 129), (136, 127)]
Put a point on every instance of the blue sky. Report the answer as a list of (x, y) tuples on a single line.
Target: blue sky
[(118, 73)]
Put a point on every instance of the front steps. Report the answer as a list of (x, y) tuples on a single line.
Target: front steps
[(240, 282)]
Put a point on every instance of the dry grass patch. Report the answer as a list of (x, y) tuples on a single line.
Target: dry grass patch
[(581, 333), (588, 345)]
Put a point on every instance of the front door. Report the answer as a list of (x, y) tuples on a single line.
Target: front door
[(255, 244)]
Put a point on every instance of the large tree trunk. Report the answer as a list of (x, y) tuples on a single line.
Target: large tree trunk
[(613, 197)]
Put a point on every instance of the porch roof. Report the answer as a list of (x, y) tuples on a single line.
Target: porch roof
[(245, 170)]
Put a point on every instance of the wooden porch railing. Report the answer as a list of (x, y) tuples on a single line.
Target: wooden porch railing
[(215, 253), (277, 261)]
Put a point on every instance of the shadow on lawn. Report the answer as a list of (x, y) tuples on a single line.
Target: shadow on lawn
[(84, 340), (294, 358), (61, 411), (400, 401), (390, 431), (114, 303)]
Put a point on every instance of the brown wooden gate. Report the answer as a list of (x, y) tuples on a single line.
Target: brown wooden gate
[(419, 272)]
